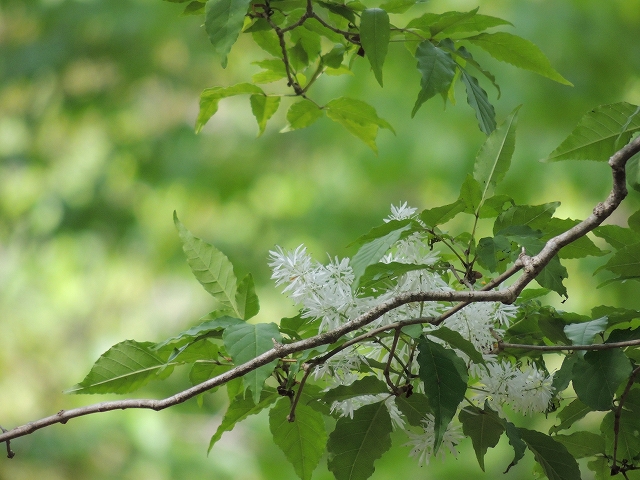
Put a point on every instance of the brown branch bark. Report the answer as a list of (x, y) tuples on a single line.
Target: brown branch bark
[(531, 267)]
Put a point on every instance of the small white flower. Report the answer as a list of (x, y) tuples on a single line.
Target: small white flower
[(422, 443), (401, 212)]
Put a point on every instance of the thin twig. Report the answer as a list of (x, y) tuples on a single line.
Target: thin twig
[(559, 348), (616, 424), (308, 368), (392, 352), (10, 453)]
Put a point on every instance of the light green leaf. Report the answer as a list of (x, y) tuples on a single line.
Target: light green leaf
[(445, 377), (478, 100), (359, 118), (437, 69), (212, 326), (414, 408), (374, 37), (357, 443), (484, 427), (211, 268), (471, 194), (554, 458), (372, 252), (597, 376), (223, 23), (334, 58), (534, 216), (301, 114), (494, 158), (617, 236), (194, 8), (582, 444), (598, 133), (210, 98), (519, 52), (368, 385), (439, 215), (240, 408), (570, 414), (246, 298), (584, 333), (398, 6), (456, 340), (123, 368), (273, 70), (455, 22), (246, 341), (302, 441), (381, 231), (263, 108), (268, 41)]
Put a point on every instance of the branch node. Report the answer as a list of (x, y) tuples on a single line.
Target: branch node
[(10, 453), (277, 346)]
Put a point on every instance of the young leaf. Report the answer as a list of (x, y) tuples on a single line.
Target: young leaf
[(302, 441), (223, 23), (445, 377), (582, 444), (569, 415), (398, 6), (273, 70), (372, 252), (357, 443), (359, 118), (368, 385), (494, 158), (471, 194), (478, 100), (240, 408), (599, 133), (210, 98), (301, 114), (554, 458), (484, 427), (414, 408), (246, 298), (437, 69), (598, 375), (123, 368), (263, 108), (584, 333), (246, 341), (374, 37), (519, 52), (211, 268)]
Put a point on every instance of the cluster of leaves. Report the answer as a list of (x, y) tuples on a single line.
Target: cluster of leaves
[(603, 379), (309, 38)]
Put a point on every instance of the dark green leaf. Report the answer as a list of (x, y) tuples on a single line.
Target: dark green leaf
[(364, 386), (625, 262), (615, 315), (380, 276), (616, 236), (570, 414), (381, 231), (597, 133), (358, 117), (374, 37), (223, 22), (515, 440), (484, 427), (579, 248), (240, 408), (445, 377), (210, 98), (582, 444), (357, 443), (519, 52), (628, 434), (478, 100), (534, 216), (302, 441), (456, 340), (471, 194), (439, 215), (598, 375), (414, 408), (554, 458), (123, 368), (492, 252), (437, 69), (562, 377), (246, 341)]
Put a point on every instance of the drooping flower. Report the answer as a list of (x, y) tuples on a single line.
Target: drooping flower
[(422, 443)]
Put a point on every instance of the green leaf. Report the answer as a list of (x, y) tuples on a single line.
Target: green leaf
[(439, 215), (374, 37), (625, 262), (123, 368), (210, 98), (471, 194), (414, 408), (445, 377), (554, 458), (484, 427), (273, 70), (213, 325), (456, 340), (372, 252), (579, 248), (493, 252), (615, 315), (582, 444), (478, 100), (357, 443), (334, 58), (263, 107), (381, 231), (398, 6), (519, 52), (379, 277), (617, 236), (584, 333), (268, 41), (562, 377), (223, 23), (455, 22), (597, 135), (194, 8), (301, 114), (598, 375), (629, 428), (437, 69), (302, 441), (211, 268), (368, 385), (570, 414), (246, 298), (515, 440), (359, 118), (534, 216), (240, 408), (246, 341), (202, 371), (494, 158)]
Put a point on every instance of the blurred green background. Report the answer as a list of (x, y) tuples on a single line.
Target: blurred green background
[(97, 106)]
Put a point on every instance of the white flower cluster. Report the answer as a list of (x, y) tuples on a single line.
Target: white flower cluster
[(325, 293)]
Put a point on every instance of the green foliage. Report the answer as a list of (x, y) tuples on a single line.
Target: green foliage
[(556, 461), (597, 377), (374, 35), (484, 427)]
